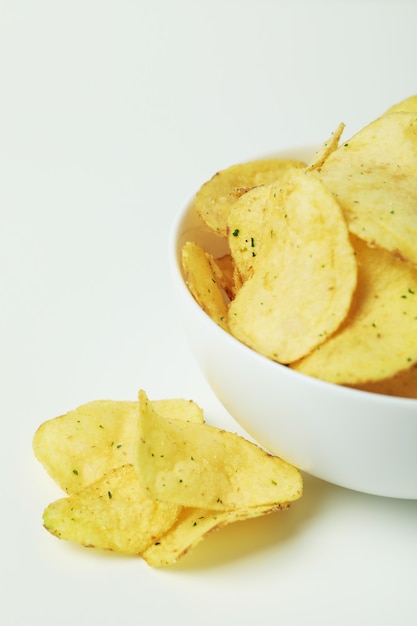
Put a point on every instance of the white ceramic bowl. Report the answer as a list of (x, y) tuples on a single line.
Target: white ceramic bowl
[(355, 439)]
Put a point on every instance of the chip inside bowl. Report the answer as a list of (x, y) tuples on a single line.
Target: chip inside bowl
[(372, 175), (216, 197), (303, 281), (323, 258), (379, 338)]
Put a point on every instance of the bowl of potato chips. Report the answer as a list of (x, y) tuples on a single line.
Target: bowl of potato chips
[(297, 281)]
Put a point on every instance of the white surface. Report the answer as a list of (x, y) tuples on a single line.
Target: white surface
[(112, 114)]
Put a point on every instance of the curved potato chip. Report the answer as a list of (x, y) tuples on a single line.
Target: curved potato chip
[(224, 273), (373, 177), (200, 466), (114, 513), (408, 104), (327, 148), (117, 512), (246, 229), (402, 385), (217, 195), (379, 337), (200, 275), (83, 445), (192, 527), (303, 282)]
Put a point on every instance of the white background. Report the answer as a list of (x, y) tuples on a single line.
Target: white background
[(112, 113)]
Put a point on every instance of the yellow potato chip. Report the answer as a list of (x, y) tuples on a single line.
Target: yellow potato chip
[(379, 337), (282, 301), (217, 196), (303, 282), (200, 466), (83, 445), (192, 526), (403, 384), (408, 104), (373, 178), (224, 273), (114, 513), (118, 512), (178, 409), (199, 267), (246, 230), (327, 148)]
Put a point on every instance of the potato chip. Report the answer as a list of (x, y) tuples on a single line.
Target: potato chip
[(245, 224), (402, 385), (408, 104), (327, 148), (178, 409), (284, 301), (246, 230), (379, 337), (200, 276), (303, 282), (118, 512), (373, 178), (113, 513), (201, 466), (224, 272), (83, 445), (192, 526), (217, 196)]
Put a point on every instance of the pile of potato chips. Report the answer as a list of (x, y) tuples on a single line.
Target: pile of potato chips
[(322, 270), (152, 478)]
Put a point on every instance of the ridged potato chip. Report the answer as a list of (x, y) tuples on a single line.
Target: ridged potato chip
[(303, 281)]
